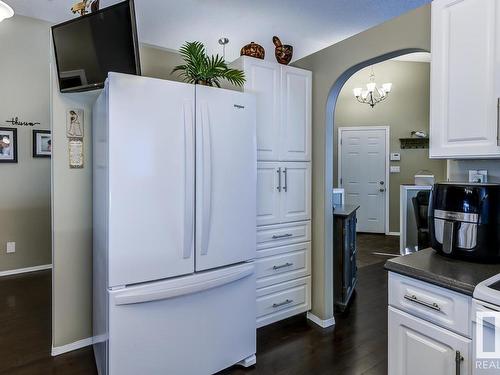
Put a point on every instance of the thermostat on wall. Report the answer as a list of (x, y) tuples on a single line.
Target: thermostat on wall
[(395, 156)]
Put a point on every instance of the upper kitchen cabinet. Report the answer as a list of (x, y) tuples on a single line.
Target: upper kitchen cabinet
[(465, 68), (283, 109)]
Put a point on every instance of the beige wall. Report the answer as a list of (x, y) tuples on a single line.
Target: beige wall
[(411, 30), (25, 191), (406, 109), (72, 209)]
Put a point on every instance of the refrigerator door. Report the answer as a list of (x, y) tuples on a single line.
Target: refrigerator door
[(196, 324), (151, 179), (226, 170)]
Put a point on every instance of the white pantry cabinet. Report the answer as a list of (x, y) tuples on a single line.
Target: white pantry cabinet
[(284, 99), (283, 192), (284, 148), (465, 79)]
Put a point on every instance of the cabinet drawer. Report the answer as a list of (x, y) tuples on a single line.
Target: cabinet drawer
[(434, 304), (279, 264), (283, 234), (283, 300)]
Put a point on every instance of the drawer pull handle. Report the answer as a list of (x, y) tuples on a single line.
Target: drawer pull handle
[(413, 298), (275, 237), (458, 362), (285, 302), (287, 264)]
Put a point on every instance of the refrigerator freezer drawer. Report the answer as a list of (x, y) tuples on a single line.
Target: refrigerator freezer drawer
[(197, 324)]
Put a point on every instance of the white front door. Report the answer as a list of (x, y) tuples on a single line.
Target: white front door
[(363, 168)]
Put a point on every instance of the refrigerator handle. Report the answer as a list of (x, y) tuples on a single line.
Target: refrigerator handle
[(189, 179), (206, 178), (134, 297)]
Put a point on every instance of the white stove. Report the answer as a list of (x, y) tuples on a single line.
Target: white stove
[(486, 338)]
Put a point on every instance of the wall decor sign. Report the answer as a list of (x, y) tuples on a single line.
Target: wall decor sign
[(74, 123), (8, 145), (14, 121), (42, 144), (75, 146)]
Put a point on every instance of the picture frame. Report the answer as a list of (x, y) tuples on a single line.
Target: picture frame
[(8, 145), (75, 123), (42, 144)]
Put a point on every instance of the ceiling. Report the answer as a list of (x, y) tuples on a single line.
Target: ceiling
[(309, 25)]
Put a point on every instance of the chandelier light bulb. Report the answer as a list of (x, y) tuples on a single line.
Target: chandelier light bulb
[(371, 86), (387, 87), (5, 11), (357, 91)]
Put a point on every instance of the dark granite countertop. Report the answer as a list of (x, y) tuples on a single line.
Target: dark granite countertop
[(344, 210), (457, 275)]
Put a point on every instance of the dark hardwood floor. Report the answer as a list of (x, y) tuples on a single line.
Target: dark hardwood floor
[(356, 345), (372, 246)]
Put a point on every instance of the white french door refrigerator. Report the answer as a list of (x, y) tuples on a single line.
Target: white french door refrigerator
[(174, 227)]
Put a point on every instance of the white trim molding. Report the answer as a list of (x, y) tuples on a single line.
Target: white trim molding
[(394, 234), (323, 323), (26, 270), (387, 130), (58, 350)]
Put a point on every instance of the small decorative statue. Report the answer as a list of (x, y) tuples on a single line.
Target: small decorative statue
[(82, 7), (283, 52)]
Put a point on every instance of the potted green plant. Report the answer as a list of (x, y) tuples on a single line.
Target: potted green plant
[(199, 68)]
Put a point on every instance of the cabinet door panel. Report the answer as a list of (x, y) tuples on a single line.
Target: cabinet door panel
[(296, 192), (263, 79), (463, 89), (296, 114), (418, 347), (268, 193)]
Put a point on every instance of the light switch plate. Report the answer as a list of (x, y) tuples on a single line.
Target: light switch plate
[(395, 156), (395, 169), (11, 247)]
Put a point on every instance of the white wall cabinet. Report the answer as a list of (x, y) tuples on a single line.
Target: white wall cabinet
[(284, 99), (283, 192), (465, 79), (283, 186)]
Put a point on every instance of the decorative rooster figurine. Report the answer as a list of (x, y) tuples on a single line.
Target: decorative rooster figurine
[(82, 7)]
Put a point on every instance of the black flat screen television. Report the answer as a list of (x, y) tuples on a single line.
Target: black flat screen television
[(89, 47)]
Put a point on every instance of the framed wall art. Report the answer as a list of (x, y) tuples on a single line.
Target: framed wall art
[(42, 144), (8, 145), (74, 123)]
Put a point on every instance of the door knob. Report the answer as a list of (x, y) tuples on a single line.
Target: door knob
[(381, 190), (382, 182)]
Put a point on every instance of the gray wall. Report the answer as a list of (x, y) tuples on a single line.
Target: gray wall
[(72, 209), (411, 30), (24, 85), (458, 170), (406, 109)]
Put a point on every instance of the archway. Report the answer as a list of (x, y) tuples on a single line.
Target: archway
[(330, 141)]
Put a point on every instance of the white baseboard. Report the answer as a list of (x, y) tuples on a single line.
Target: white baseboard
[(394, 234), (58, 350), (321, 322), (25, 270)]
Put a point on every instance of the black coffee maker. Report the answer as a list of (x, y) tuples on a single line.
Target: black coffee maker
[(464, 221)]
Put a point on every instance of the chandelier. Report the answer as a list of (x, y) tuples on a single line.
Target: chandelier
[(373, 94)]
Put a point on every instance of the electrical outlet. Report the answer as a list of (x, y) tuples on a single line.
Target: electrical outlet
[(11, 247), (476, 176)]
